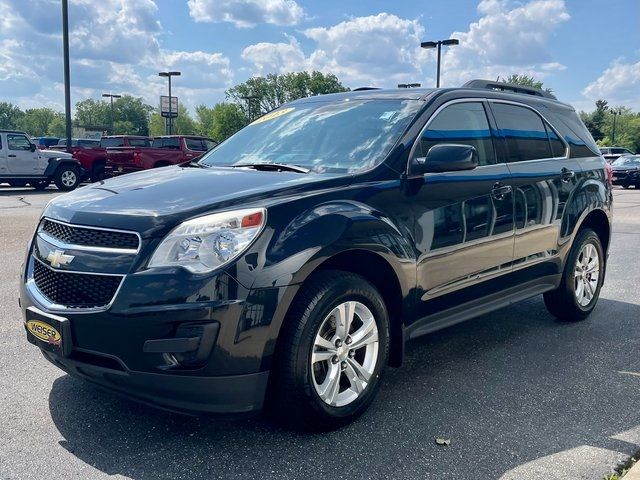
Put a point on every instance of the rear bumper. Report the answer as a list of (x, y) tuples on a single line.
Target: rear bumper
[(236, 395)]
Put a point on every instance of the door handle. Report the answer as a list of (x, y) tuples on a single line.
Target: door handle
[(499, 191), (11, 156), (566, 175)]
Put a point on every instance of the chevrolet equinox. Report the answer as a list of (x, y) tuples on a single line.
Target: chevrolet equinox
[(290, 264)]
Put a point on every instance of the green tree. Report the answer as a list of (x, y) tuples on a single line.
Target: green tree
[(133, 113), (525, 81), (92, 113), (221, 121), (10, 116), (124, 127), (57, 126), (273, 90), (183, 124), (35, 121)]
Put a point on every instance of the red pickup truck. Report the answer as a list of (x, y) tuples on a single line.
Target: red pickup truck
[(89, 153), (164, 151)]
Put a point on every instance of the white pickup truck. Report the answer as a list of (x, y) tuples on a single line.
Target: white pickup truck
[(21, 163)]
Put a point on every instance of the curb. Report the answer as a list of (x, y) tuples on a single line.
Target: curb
[(634, 473)]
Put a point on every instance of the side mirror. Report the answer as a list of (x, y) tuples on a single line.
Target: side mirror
[(445, 158), (32, 147)]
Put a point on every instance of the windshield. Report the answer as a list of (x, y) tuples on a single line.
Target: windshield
[(627, 162), (324, 137)]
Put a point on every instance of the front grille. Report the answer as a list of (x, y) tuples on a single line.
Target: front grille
[(90, 237), (76, 290)]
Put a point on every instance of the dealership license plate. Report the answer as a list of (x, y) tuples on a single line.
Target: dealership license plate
[(47, 331)]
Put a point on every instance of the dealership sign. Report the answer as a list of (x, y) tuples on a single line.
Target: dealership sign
[(164, 106)]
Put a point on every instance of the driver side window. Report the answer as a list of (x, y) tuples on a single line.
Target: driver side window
[(464, 124), (18, 142)]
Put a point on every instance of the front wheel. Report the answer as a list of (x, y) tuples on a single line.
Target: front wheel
[(579, 289), (332, 350), (67, 177)]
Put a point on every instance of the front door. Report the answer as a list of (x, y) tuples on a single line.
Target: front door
[(21, 160), (464, 220)]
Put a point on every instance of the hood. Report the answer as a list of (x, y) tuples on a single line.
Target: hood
[(153, 201), (54, 154)]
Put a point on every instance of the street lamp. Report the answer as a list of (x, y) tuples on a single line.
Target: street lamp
[(615, 113), (169, 75), (111, 96), (248, 99), (438, 45), (409, 85)]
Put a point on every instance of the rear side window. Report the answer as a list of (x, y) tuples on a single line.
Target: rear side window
[(462, 123), (169, 143), (195, 144), (138, 142), (88, 143), (112, 142), (557, 147), (524, 131)]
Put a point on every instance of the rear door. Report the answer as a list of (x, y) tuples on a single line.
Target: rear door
[(543, 179), (21, 160), (464, 220)]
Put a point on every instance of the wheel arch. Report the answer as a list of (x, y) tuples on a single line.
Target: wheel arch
[(598, 221)]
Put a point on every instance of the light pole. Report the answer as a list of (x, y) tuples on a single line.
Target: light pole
[(111, 96), (615, 113), (409, 85), (249, 98), (67, 81), (438, 45), (169, 75)]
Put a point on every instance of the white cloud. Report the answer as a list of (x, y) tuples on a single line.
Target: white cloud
[(246, 13), (507, 39), (619, 85), (115, 47), (374, 50)]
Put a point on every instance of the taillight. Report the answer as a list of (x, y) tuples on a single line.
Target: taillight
[(137, 159), (609, 170)]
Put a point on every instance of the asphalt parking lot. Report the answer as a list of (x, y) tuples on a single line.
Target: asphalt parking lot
[(520, 395)]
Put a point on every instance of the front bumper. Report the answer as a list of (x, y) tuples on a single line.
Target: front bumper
[(111, 347), (228, 395)]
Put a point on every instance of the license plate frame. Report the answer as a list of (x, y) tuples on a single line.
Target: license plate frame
[(48, 331)]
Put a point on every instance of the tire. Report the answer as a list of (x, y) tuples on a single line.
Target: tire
[(626, 186), (97, 172), (40, 184), (67, 177), (297, 385), (569, 302)]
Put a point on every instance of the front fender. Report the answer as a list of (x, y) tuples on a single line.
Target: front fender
[(288, 254), (54, 163)]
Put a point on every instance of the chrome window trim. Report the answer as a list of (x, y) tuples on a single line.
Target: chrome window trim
[(48, 305), (88, 247)]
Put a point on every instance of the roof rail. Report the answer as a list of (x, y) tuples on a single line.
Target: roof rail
[(361, 89), (511, 87)]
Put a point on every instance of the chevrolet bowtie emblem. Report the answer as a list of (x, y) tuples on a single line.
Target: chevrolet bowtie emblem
[(58, 258)]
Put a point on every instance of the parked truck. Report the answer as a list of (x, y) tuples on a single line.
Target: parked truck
[(164, 151)]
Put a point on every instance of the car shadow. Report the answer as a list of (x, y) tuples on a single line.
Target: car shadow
[(506, 388)]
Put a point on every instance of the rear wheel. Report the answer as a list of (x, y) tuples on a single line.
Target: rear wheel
[(331, 352), (579, 290), (67, 177)]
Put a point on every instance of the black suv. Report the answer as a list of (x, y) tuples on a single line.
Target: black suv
[(292, 262)]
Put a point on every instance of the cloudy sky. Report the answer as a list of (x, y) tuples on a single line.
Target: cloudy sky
[(583, 49)]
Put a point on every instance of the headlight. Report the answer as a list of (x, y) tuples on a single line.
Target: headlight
[(205, 243)]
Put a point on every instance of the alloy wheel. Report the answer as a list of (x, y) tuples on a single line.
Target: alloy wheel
[(68, 178), (586, 274), (345, 353)]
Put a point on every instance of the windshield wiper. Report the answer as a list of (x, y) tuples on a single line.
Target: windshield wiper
[(278, 167)]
